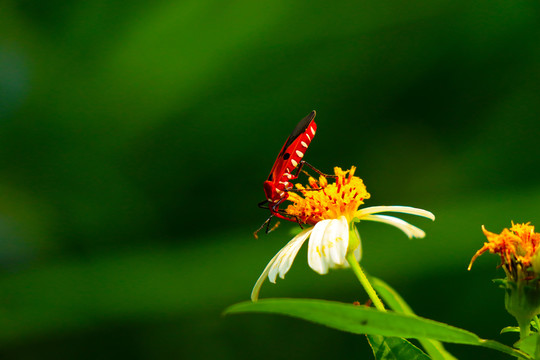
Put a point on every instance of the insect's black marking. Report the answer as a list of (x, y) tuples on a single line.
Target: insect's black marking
[(286, 156), (299, 129)]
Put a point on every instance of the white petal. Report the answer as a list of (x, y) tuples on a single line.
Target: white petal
[(290, 251), (286, 256), (410, 230), (315, 255), (328, 241), (401, 209), (281, 262), (336, 241)]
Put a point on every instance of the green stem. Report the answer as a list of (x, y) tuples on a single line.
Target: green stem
[(524, 328), (365, 282)]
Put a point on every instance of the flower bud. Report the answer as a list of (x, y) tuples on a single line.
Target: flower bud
[(518, 248)]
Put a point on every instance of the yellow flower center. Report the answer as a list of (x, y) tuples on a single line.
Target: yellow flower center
[(516, 246), (320, 200)]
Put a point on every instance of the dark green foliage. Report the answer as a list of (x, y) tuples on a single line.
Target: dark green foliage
[(135, 137)]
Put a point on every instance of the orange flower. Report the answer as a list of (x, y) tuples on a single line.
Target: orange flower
[(520, 259), (516, 246)]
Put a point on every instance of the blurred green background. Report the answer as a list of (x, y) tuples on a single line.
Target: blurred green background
[(135, 137)]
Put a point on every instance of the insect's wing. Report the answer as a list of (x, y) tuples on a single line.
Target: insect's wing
[(300, 129), (295, 147)]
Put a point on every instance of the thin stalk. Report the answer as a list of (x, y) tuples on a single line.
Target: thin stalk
[(365, 282)]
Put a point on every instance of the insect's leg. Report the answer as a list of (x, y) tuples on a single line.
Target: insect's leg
[(302, 163), (262, 203), (267, 223), (275, 211), (302, 190), (298, 169), (269, 230), (296, 219), (298, 222), (280, 213)]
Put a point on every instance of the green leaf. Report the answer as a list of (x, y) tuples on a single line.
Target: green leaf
[(363, 320), (510, 329), (433, 347), (530, 345), (358, 319), (393, 348)]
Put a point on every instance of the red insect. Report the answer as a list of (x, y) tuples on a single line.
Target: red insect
[(278, 184)]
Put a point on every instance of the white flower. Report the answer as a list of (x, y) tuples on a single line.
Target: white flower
[(329, 242)]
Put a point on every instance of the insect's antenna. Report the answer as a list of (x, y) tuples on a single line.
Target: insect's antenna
[(273, 227)]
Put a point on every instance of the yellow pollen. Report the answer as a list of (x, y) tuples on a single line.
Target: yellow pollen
[(320, 200)]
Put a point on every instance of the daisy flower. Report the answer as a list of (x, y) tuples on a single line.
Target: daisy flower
[(332, 211)]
